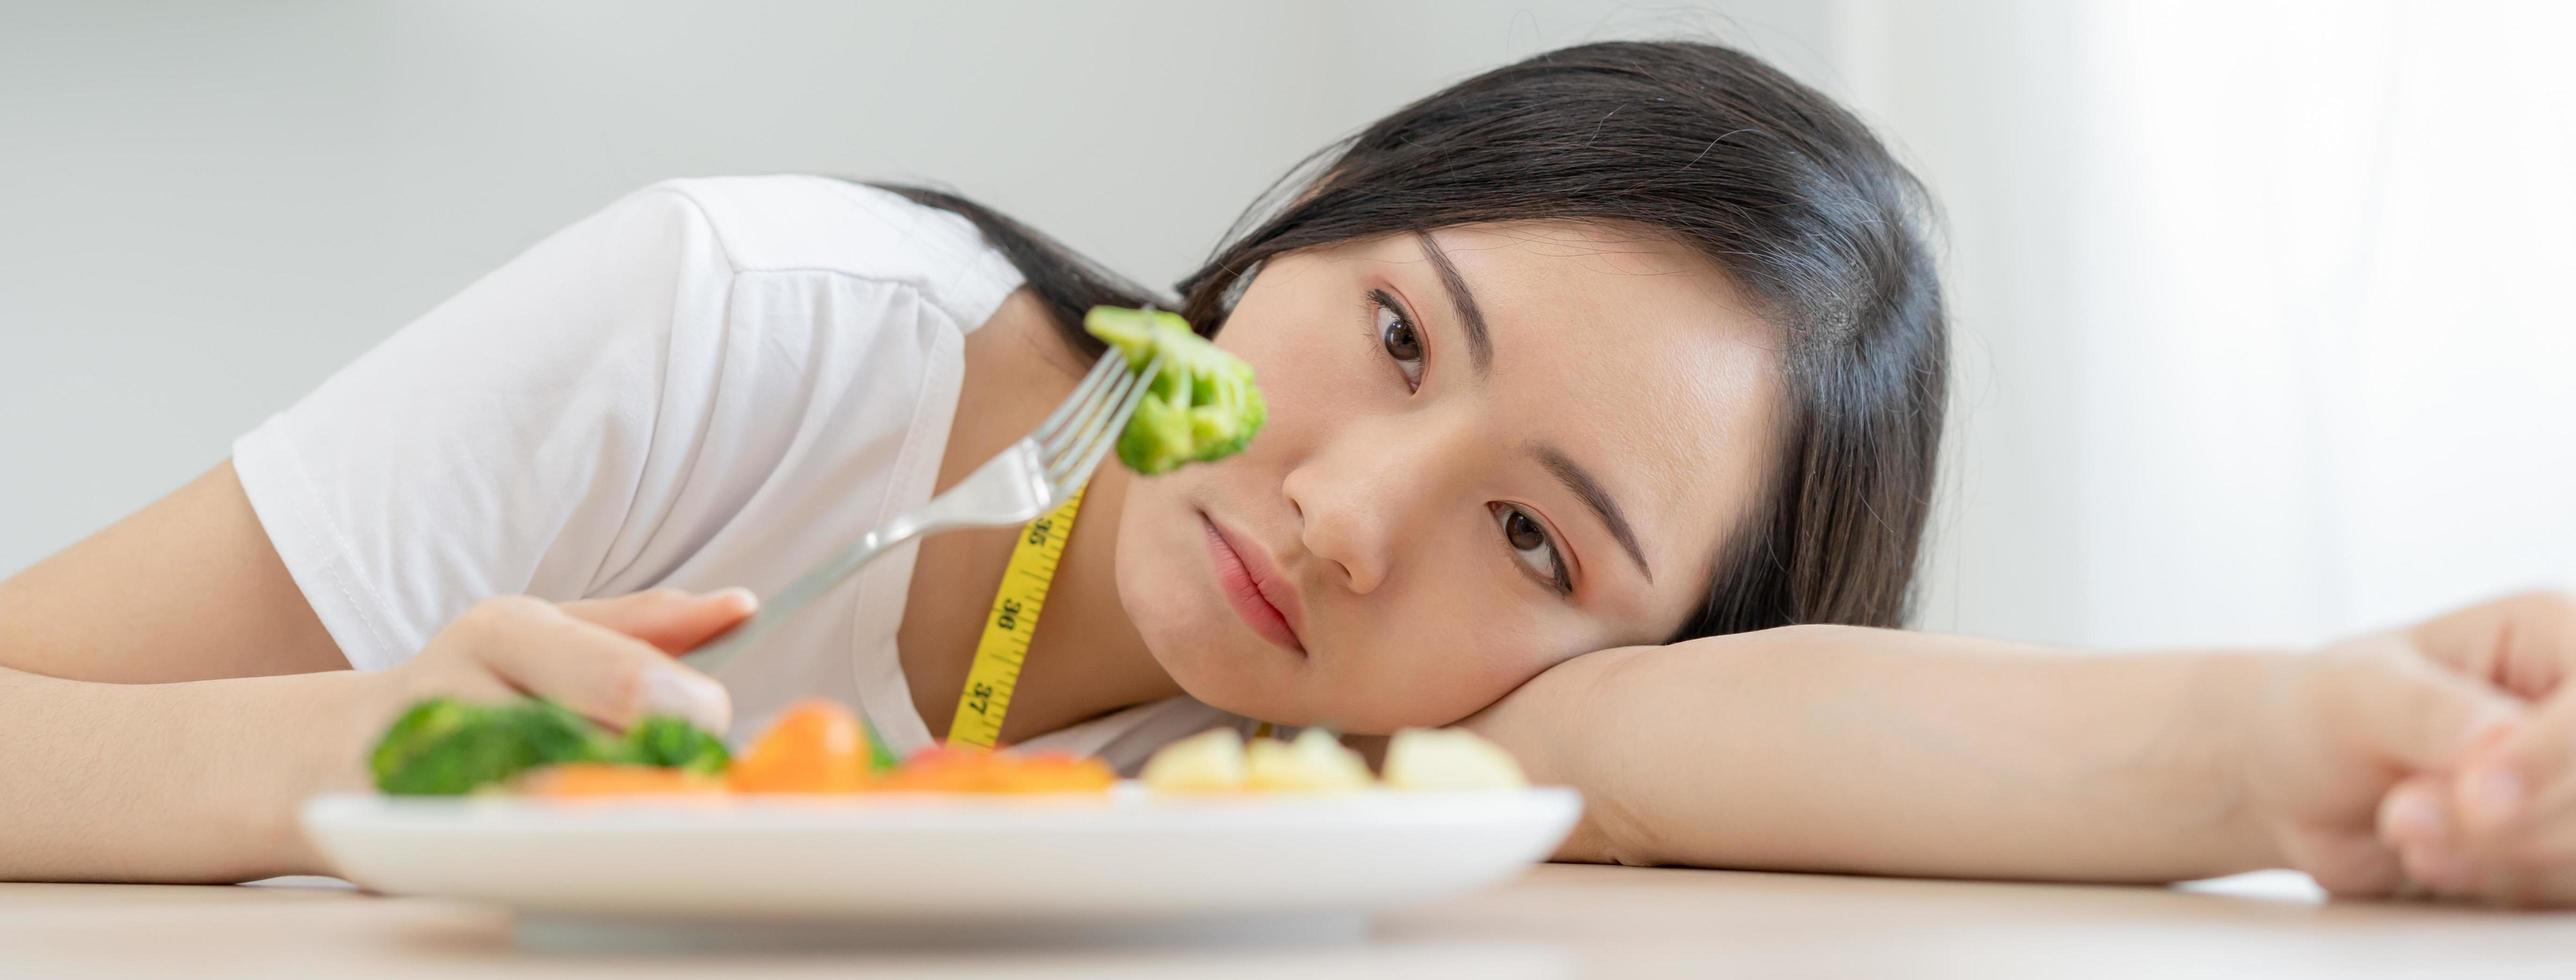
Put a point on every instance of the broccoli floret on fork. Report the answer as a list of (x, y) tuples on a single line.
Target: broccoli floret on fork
[(1200, 407)]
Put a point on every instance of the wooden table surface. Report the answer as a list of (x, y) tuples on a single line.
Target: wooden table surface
[(1556, 921)]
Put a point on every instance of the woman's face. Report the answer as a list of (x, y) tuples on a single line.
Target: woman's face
[(1490, 448)]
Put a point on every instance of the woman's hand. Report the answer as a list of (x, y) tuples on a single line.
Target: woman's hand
[(607, 659), (2333, 732), (2500, 823)]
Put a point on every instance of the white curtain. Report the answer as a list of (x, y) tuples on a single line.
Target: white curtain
[(2263, 308)]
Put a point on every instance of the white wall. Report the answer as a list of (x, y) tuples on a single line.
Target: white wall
[(2263, 333), (205, 208), (2257, 329)]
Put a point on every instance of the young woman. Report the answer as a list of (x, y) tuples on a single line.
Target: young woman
[(1604, 391)]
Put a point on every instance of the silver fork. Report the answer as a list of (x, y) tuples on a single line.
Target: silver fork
[(1028, 478)]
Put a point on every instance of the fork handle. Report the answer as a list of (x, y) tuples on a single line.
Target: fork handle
[(817, 580)]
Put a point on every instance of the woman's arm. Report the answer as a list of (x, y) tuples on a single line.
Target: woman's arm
[(121, 757), (167, 698), (188, 588), (184, 782), (1879, 751)]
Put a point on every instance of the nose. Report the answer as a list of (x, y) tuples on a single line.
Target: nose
[(1340, 526), (1356, 497)]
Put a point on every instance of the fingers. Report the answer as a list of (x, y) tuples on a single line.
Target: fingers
[(2515, 795), (671, 619), (2514, 798), (2523, 643), (607, 675), (2349, 865), (2419, 715), (2500, 826), (2493, 818), (2415, 820), (2417, 812)]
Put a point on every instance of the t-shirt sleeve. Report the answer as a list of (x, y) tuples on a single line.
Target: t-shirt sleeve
[(507, 441)]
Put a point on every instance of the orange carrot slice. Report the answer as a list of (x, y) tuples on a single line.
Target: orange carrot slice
[(591, 780), (959, 770), (816, 746)]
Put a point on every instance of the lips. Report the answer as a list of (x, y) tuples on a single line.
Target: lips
[(1253, 587)]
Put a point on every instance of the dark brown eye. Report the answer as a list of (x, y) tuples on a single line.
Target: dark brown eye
[(1396, 334), (1401, 342), (1532, 547)]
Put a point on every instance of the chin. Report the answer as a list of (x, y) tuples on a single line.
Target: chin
[(1194, 636), (1207, 678), (1210, 665)]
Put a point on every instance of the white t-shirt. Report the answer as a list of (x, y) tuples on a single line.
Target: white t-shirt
[(710, 383)]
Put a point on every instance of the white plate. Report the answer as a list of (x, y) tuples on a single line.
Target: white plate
[(1128, 857)]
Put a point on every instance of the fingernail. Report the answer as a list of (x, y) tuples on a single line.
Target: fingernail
[(671, 689), (2416, 817), (2494, 795), (739, 598)]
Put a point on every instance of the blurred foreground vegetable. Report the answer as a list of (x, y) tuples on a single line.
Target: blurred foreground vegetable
[(669, 741), (443, 746), (1220, 761), (815, 746), (950, 769), (582, 780)]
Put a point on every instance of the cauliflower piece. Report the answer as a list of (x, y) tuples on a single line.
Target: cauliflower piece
[(1208, 762), (1315, 762), (1449, 758)]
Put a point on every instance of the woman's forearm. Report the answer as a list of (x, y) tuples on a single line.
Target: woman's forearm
[(1889, 752), (186, 782)]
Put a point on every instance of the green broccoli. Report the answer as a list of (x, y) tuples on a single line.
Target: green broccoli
[(672, 742), (443, 746), (446, 747), (1200, 407)]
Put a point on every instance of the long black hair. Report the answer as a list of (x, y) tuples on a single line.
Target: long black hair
[(1786, 190)]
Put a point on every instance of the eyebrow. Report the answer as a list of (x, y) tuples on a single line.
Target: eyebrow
[(1480, 344), (1589, 490)]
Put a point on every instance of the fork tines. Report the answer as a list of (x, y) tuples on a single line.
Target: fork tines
[(1081, 431)]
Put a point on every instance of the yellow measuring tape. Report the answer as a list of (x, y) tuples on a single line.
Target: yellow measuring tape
[(1009, 625)]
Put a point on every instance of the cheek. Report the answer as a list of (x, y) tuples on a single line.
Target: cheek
[(1310, 357), (1436, 657), (1151, 559)]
